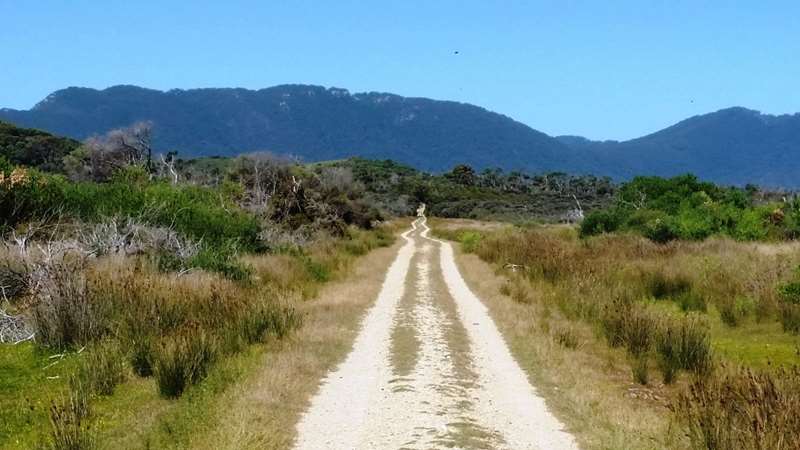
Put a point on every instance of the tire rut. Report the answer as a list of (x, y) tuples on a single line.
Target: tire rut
[(428, 370)]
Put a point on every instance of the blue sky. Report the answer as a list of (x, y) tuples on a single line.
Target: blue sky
[(602, 69)]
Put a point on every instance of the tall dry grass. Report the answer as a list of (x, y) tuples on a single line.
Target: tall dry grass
[(743, 409), (620, 285)]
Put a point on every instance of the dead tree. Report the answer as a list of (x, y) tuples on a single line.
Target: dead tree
[(119, 148)]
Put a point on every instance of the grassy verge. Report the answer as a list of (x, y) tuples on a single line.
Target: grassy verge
[(163, 337), (628, 339)]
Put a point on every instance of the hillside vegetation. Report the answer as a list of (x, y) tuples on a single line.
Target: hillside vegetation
[(310, 122), (34, 148), (731, 146), (686, 208)]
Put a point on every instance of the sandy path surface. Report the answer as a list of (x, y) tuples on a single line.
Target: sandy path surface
[(458, 385)]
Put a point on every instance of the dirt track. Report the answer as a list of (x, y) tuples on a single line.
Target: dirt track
[(429, 369)]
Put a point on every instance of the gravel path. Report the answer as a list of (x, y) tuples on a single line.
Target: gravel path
[(465, 389)]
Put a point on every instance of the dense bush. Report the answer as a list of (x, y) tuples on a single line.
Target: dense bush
[(195, 212), (33, 148), (488, 194), (684, 208)]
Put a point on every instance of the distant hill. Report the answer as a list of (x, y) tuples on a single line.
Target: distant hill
[(731, 146), (311, 122), (33, 147)]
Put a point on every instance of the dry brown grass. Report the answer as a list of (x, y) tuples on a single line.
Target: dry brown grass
[(589, 387), (465, 224), (261, 411), (680, 308)]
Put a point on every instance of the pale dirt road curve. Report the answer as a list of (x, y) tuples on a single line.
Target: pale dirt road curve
[(450, 383)]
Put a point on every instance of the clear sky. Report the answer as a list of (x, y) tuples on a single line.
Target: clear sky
[(604, 69)]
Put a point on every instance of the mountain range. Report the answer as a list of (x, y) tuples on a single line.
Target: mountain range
[(731, 146)]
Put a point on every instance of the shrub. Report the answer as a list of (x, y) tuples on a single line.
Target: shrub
[(790, 292), (469, 241), (183, 360), (751, 225), (694, 223), (743, 409), (661, 230), (600, 221), (222, 260)]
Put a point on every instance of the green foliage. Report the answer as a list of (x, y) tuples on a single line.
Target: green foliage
[(790, 306), (222, 259), (469, 241), (790, 292), (33, 148), (600, 221), (195, 212), (465, 193), (665, 209), (691, 301)]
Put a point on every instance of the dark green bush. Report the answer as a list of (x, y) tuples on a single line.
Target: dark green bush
[(664, 209), (600, 221)]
